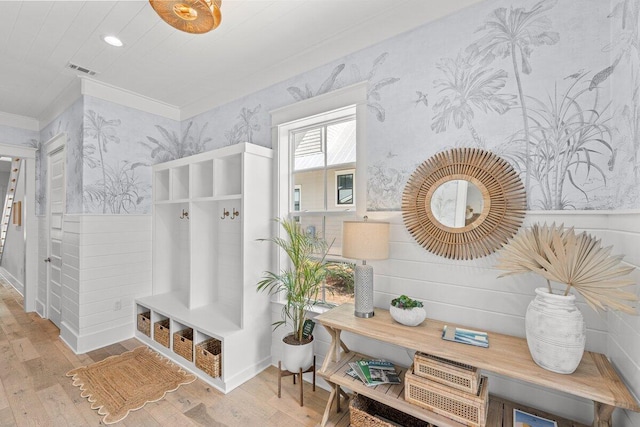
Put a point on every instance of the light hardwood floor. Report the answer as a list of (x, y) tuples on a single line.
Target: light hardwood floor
[(34, 390)]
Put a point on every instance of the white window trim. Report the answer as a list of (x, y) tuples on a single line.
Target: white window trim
[(339, 103), (338, 173), (349, 100), (299, 188)]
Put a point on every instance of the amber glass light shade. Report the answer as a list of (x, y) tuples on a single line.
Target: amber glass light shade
[(190, 16)]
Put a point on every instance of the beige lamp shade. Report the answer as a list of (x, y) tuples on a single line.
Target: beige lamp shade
[(365, 240)]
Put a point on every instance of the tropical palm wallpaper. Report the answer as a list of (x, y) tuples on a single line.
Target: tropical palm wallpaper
[(549, 86)]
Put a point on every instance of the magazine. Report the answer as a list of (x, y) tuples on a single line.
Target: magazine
[(522, 419), (465, 336), (374, 372)]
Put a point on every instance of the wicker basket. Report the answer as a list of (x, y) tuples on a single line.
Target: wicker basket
[(467, 408), (365, 412), (183, 343), (209, 356), (144, 323), (162, 332), (454, 374)]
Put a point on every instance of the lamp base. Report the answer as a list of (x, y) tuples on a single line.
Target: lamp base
[(364, 315), (363, 291)]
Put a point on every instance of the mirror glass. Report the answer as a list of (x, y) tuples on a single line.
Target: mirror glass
[(456, 203)]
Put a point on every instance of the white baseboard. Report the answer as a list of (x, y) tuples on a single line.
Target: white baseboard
[(247, 374), (40, 308), (84, 343), (17, 285)]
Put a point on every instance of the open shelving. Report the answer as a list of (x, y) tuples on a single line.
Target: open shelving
[(209, 211)]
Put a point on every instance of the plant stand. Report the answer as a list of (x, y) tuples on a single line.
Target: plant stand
[(285, 373)]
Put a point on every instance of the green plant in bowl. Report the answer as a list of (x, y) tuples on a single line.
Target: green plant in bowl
[(405, 302), (407, 311)]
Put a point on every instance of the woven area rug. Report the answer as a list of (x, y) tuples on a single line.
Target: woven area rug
[(120, 384)]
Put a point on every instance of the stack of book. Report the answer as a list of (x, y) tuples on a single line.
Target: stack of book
[(465, 336), (374, 372)]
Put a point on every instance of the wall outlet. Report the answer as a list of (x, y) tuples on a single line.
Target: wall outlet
[(117, 305)]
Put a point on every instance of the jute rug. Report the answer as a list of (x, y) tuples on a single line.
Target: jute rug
[(120, 384)]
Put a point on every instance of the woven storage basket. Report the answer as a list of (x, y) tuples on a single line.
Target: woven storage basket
[(454, 374), (183, 343), (162, 332), (467, 408), (144, 323), (365, 412), (209, 356)]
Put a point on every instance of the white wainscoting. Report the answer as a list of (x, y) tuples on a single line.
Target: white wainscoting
[(623, 339), (17, 284), (41, 293), (470, 293), (106, 264)]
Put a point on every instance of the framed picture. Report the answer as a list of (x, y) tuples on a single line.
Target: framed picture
[(17, 213), (525, 419)]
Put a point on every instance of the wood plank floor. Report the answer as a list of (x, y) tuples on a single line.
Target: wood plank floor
[(34, 390)]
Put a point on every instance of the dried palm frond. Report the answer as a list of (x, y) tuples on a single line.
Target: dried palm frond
[(578, 260)]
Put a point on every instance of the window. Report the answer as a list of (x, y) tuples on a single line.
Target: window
[(320, 155), (317, 144), (297, 196), (344, 188)]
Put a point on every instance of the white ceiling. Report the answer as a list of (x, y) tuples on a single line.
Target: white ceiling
[(259, 43)]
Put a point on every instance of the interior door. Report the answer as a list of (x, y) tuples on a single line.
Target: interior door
[(55, 204)]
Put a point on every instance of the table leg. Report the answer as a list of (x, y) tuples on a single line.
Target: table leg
[(327, 409), (331, 351), (602, 414), (344, 347), (337, 345)]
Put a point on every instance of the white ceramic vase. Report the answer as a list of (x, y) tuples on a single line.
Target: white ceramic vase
[(295, 357), (408, 316), (556, 332)]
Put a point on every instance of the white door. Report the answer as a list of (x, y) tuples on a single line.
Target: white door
[(56, 202)]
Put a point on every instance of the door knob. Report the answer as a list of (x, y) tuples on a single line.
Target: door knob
[(47, 259)]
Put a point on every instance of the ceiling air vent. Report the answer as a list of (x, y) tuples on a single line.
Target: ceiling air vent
[(75, 67)]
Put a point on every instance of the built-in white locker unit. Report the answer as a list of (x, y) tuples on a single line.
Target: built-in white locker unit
[(209, 211)]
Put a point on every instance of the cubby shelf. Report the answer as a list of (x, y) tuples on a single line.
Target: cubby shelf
[(209, 211), (212, 319)]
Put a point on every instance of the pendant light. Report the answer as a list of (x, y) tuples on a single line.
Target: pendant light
[(190, 16)]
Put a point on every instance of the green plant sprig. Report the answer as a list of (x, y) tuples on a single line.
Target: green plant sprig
[(405, 302)]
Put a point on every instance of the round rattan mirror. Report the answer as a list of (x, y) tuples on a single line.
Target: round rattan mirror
[(463, 203)]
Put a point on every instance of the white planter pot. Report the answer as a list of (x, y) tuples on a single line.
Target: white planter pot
[(295, 357), (556, 332), (408, 316)]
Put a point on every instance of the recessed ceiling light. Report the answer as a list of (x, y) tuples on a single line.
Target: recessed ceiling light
[(113, 41)]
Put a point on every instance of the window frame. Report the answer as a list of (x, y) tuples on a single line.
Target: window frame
[(337, 175), (297, 188), (336, 105)]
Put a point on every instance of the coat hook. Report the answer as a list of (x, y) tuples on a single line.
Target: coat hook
[(185, 214), (235, 214), (225, 212)]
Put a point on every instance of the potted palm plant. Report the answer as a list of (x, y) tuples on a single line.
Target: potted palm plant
[(300, 284), (555, 327)]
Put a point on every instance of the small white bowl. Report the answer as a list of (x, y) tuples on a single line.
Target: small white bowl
[(408, 316)]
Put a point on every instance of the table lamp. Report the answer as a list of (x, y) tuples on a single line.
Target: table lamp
[(364, 240)]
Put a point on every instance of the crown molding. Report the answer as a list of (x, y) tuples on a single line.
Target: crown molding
[(20, 122), (62, 102), (127, 98)]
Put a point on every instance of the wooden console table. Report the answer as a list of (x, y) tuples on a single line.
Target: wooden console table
[(595, 379)]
